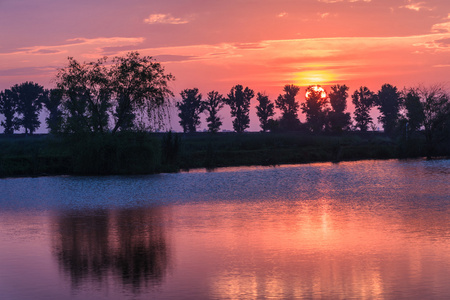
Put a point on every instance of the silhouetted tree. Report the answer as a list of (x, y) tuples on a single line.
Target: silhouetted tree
[(190, 108), (338, 119), (414, 111), (363, 100), (239, 102), (87, 95), (315, 109), (52, 102), (436, 111), (388, 101), (212, 105), (139, 85), (8, 107), (265, 110), (134, 85), (289, 108), (29, 98)]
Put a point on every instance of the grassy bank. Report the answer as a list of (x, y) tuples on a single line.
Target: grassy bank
[(144, 153), (130, 153)]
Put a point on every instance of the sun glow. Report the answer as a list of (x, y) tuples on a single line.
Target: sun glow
[(313, 77), (319, 89)]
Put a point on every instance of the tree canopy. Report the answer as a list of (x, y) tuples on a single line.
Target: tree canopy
[(264, 111), (435, 105), (131, 86), (363, 99), (8, 106), (414, 110), (212, 104), (388, 101), (239, 101), (28, 97), (314, 108), (52, 103), (190, 108), (337, 118), (289, 107)]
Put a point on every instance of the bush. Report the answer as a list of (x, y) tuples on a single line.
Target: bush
[(123, 153)]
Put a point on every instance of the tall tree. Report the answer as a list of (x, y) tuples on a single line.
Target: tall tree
[(264, 110), (338, 119), (363, 99), (52, 102), (8, 106), (132, 85), (289, 107), (212, 105), (140, 85), (190, 108), (414, 110), (436, 112), (87, 95), (239, 102), (315, 108), (29, 98), (388, 101)]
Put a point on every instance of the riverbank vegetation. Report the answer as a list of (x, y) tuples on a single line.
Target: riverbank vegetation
[(108, 117), (146, 153)]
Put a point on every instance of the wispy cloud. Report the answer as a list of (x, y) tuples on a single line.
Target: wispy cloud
[(28, 71), (441, 27), (173, 58), (81, 48), (282, 14), (416, 6), (94, 46), (164, 19)]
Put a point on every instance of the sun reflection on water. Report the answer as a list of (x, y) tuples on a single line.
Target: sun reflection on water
[(359, 230)]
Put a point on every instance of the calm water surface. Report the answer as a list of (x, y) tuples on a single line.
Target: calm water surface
[(357, 230)]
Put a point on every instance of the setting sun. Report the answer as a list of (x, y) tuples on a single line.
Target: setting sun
[(319, 89)]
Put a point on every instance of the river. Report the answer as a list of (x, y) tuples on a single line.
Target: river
[(353, 230)]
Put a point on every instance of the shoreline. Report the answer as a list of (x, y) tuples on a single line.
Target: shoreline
[(154, 153)]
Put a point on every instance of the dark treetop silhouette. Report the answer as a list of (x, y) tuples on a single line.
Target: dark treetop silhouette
[(289, 107), (264, 111), (213, 103), (239, 102), (363, 99), (190, 108), (132, 86)]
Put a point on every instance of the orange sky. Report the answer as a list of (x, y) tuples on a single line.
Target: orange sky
[(262, 44)]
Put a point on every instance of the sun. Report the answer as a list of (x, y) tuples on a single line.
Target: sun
[(319, 89)]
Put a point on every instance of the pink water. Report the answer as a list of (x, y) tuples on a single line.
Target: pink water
[(362, 230)]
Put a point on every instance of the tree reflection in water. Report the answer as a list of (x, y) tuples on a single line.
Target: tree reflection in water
[(126, 245)]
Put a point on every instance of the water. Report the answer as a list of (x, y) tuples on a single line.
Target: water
[(356, 230)]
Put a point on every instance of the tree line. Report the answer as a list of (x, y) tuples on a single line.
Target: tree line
[(132, 93), (413, 109)]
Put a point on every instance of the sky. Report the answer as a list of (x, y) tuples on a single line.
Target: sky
[(214, 45)]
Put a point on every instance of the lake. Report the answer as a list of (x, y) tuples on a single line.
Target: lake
[(353, 230)]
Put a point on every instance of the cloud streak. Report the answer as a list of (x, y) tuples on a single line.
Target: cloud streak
[(417, 6), (84, 47), (164, 19)]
